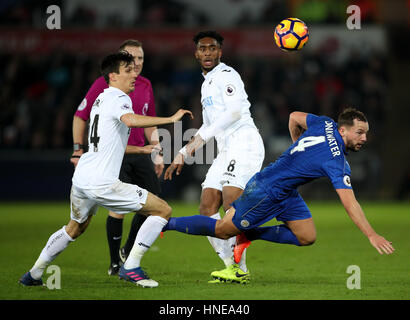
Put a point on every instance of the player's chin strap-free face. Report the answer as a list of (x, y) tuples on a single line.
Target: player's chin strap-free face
[(208, 48), (355, 135)]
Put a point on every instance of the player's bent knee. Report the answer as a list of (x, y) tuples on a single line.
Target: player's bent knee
[(155, 206), (75, 229), (165, 210), (221, 234), (304, 230), (307, 240), (73, 232), (224, 231)]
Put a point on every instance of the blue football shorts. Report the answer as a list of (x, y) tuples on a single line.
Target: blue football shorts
[(255, 207)]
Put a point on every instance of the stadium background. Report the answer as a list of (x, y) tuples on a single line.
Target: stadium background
[(44, 75)]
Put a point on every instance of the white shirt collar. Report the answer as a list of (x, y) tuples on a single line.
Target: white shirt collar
[(214, 70), (114, 89)]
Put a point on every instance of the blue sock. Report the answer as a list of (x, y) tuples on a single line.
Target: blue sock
[(197, 225), (280, 234)]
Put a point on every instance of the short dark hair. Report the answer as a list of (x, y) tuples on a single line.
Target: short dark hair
[(112, 62), (208, 34), (348, 115), (130, 43)]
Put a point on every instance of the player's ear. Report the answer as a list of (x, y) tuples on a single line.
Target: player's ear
[(112, 77), (342, 131)]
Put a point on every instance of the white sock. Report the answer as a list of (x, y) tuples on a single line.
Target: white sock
[(222, 247), (57, 242), (146, 236), (242, 262)]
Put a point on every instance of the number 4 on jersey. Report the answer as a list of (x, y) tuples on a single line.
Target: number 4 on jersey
[(307, 142), (94, 138)]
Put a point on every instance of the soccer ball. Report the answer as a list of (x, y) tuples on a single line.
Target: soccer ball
[(291, 34)]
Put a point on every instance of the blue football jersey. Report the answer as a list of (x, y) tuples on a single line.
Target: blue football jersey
[(319, 152)]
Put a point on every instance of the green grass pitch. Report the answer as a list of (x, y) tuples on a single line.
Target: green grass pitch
[(182, 263)]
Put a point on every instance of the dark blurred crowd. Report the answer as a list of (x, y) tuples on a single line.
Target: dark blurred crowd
[(186, 13), (40, 94)]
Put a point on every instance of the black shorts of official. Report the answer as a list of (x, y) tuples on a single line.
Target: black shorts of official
[(139, 169)]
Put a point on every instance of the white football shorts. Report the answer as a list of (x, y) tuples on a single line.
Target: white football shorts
[(120, 198), (239, 159)]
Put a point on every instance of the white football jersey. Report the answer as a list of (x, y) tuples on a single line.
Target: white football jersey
[(107, 140), (224, 85)]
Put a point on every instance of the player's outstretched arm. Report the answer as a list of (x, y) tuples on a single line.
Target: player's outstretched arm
[(147, 149), (356, 213), (297, 124), (132, 120)]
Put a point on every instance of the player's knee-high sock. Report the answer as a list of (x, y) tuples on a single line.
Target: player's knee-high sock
[(242, 262), (222, 247), (146, 236), (280, 234), (114, 234), (136, 224), (57, 242), (196, 225), (203, 225)]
